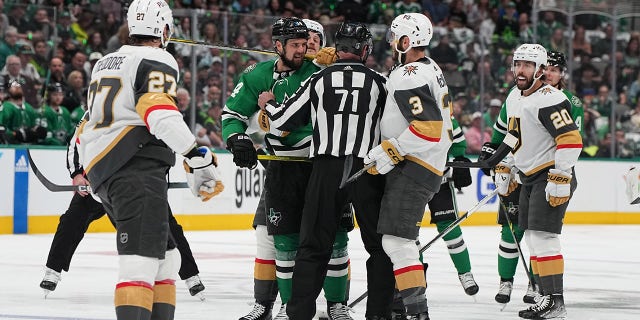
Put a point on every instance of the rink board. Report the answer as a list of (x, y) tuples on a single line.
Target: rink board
[(26, 206)]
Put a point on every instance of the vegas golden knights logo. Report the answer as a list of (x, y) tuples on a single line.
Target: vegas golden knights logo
[(514, 124)]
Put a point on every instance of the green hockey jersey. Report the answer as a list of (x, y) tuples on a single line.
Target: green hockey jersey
[(242, 105)]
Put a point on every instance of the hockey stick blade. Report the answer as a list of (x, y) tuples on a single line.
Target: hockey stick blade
[(53, 187), (509, 142), (444, 232)]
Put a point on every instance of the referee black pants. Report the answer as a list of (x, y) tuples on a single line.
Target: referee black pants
[(323, 206), (75, 221)]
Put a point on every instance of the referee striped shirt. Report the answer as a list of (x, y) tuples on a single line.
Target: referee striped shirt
[(344, 103)]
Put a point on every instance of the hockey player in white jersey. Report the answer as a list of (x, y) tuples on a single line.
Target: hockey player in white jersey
[(128, 146), (544, 158), (415, 127)]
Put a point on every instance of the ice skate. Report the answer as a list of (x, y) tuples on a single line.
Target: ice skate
[(468, 283), (261, 311), (547, 307), (532, 294), (504, 293), (50, 281), (282, 314), (196, 287), (338, 311)]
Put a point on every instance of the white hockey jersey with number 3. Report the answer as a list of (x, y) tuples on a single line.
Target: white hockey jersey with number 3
[(131, 103), (418, 114)]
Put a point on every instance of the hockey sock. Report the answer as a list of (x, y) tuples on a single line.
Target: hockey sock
[(335, 283), (508, 252), (549, 262), (133, 300), (408, 272), (164, 300), (456, 246), (265, 287), (286, 248)]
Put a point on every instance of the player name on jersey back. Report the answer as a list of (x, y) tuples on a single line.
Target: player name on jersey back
[(109, 63)]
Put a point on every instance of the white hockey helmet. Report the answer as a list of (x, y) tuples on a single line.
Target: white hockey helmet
[(530, 52), (316, 27), (416, 26), (149, 18)]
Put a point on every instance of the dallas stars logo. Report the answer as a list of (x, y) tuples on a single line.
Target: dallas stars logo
[(274, 217), (409, 70)]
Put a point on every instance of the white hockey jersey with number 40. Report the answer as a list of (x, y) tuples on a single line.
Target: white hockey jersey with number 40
[(131, 103), (418, 115)]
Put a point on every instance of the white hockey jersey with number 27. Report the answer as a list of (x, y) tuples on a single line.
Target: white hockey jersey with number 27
[(131, 102), (418, 115)]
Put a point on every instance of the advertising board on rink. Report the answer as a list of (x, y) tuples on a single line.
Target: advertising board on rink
[(26, 206)]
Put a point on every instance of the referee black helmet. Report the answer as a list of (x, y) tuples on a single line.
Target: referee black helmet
[(354, 37)]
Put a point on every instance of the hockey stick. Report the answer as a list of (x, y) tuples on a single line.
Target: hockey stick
[(509, 142), (270, 157), (221, 46), (532, 280), (53, 187), (356, 175), (444, 232)]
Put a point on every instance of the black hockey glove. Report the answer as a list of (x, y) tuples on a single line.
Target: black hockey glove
[(40, 132), (488, 149), (461, 176), (244, 154)]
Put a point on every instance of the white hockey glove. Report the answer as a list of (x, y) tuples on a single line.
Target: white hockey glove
[(386, 156), (505, 179), (558, 187), (202, 174), (632, 179)]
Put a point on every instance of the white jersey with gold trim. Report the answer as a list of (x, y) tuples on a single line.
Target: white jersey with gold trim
[(548, 135), (131, 103), (418, 114)]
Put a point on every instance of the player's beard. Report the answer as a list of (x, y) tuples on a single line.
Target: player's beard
[(528, 83), (294, 63)]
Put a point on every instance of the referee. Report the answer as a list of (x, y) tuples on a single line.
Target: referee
[(345, 103)]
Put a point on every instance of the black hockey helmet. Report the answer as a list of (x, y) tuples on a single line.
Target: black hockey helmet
[(557, 59), (55, 87), (289, 28), (353, 37)]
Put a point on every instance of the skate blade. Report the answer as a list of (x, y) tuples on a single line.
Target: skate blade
[(46, 292), (201, 296), (502, 306)]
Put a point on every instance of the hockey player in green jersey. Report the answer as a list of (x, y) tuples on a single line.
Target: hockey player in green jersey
[(285, 182), (21, 121), (59, 121), (508, 252)]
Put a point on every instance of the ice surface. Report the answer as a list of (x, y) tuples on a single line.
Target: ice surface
[(602, 276)]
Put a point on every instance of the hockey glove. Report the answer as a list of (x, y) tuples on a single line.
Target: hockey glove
[(461, 176), (633, 186), (244, 154), (488, 149), (386, 156), (505, 180), (558, 188), (326, 56), (203, 177)]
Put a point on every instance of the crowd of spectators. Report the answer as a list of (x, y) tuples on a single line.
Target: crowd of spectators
[(48, 44)]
